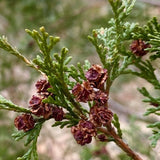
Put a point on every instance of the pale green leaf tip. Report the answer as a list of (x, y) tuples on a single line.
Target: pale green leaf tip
[(27, 30), (35, 32), (42, 29), (65, 50), (56, 39), (4, 37)]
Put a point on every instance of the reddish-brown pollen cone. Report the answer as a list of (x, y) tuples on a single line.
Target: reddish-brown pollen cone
[(83, 92), (83, 132), (138, 47), (77, 89), (24, 122), (100, 98), (100, 115), (48, 110), (39, 108), (42, 87), (154, 104), (102, 137), (35, 101), (97, 76), (94, 118), (57, 113)]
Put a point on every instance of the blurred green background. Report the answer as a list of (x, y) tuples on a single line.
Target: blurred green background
[(72, 21)]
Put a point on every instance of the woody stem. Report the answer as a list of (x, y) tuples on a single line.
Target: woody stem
[(111, 131)]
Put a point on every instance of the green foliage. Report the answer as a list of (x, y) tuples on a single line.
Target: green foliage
[(117, 125), (86, 154), (7, 47), (8, 105), (147, 73), (113, 51), (152, 110), (150, 33), (71, 122), (155, 137), (8, 149), (58, 73), (32, 137), (153, 101), (57, 17), (110, 44)]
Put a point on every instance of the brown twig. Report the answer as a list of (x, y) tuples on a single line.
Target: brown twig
[(111, 131)]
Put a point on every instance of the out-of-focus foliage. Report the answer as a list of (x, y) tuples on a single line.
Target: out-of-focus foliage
[(71, 20)]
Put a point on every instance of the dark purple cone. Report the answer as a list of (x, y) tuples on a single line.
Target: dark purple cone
[(154, 104), (24, 122), (138, 47), (100, 98), (97, 76), (83, 92), (48, 110), (79, 137), (100, 115), (83, 132), (57, 113), (102, 137), (92, 75), (77, 89), (42, 87), (39, 108), (105, 115), (94, 118), (87, 127), (35, 101)]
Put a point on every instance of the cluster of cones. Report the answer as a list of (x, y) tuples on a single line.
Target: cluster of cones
[(99, 115), (26, 122)]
